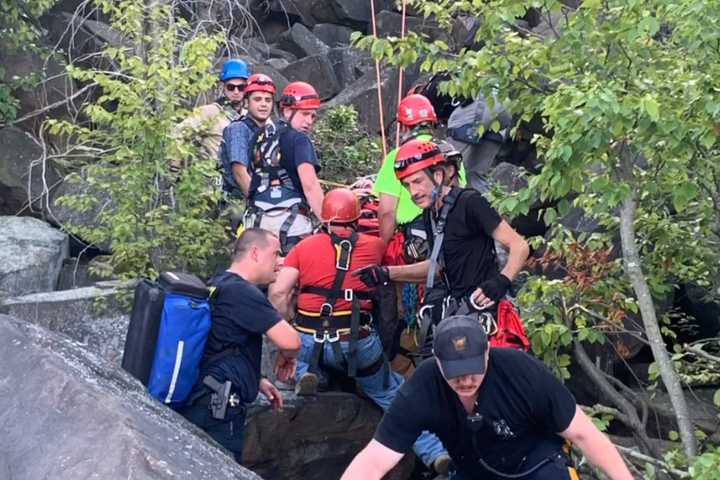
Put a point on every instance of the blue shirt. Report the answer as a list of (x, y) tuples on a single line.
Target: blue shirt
[(235, 148), (296, 148), (240, 316)]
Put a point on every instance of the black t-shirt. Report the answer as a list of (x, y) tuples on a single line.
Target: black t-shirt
[(296, 148), (520, 400), (468, 247), (240, 316)]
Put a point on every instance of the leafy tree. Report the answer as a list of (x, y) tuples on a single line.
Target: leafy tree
[(153, 221), (626, 92), (347, 152)]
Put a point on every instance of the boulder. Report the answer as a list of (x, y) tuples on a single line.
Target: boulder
[(356, 13), (31, 255), (317, 71), (302, 42), (21, 168), (362, 94), (349, 64), (267, 51), (94, 317), (83, 38), (49, 83), (332, 35), (94, 420), (703, 305), (389, 24), (302, 9), (313, 438), (66, 217), (75, 272), (463, 32)]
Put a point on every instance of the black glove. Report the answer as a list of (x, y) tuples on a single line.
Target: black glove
[(496, 287), (373, 275)]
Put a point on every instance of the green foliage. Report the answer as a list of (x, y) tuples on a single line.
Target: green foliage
[(19, 32), (150, 225), (347, 151), (706, 466)]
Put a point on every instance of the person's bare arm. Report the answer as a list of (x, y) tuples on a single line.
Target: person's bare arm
[(372, 463), (518, 249), (387, 209), (596, 447), (286, 338), (280, 291), (413, 273), (311, 187), (242, 177)]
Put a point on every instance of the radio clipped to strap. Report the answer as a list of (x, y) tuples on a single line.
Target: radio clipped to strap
[(343, 252)]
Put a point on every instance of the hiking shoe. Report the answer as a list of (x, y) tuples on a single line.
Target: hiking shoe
[(441, 464), (307, 385)]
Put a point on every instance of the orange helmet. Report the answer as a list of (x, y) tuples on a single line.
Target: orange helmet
[(340, 205), (259, 82), (300, 96), (414, 109), (417, 155)]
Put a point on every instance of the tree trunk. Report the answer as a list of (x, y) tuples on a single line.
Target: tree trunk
[(633, 268)]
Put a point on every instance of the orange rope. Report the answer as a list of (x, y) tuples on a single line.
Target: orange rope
[(379, 87), (400, 75)]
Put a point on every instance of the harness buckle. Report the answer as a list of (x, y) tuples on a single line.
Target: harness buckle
[(326, 310), (323, 336), (488, 322), (348, 294)]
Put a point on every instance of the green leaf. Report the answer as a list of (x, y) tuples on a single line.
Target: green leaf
[(651, 107), (716, 398), (684, 194)]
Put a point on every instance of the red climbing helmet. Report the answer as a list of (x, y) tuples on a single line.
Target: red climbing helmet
[(259, 82), (300, 96), (415, 109), (417, 155), (340, 205)]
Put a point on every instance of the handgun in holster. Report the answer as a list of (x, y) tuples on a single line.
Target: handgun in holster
[(220, 396)]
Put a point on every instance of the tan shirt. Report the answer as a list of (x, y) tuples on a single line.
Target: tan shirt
[(206, 122)]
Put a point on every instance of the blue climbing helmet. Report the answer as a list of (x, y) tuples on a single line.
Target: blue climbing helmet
[(234, 68)]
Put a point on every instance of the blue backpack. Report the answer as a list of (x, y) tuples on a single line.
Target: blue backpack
[(183, 329)]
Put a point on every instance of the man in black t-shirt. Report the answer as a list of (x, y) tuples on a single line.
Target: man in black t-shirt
[(241, 315), (498, 411), (462, 230)]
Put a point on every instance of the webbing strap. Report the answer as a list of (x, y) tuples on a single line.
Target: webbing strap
[(439, 234), (285, 227)]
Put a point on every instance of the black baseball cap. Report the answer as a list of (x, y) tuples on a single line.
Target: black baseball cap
[(460, 344)]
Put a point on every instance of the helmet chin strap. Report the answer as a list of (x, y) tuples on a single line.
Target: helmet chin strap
[(437, 187)]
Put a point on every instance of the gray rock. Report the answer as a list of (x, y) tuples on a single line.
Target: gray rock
[(302, 42), (66, 217), (95, 317), (390, 24), (511, 177), (31, 255), (301, 9), (577, 221), (351, 12), (317, 71), (362, 94), (20, 168), (95, 421), (278, 63), (75, 272), (350, 64), (313, 438), (333, 35), (49, 83), (268, 51), (82, 38)]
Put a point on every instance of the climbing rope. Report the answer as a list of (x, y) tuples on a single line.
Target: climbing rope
[(400, 73), (377, 79)]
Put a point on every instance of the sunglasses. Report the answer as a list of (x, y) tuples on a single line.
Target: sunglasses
[(406, 162), (232, 87)]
